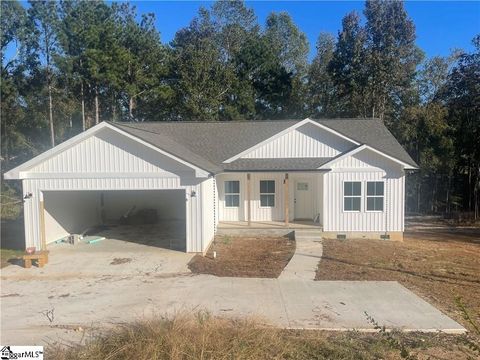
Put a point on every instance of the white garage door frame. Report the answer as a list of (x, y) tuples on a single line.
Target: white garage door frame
[(34, 205)]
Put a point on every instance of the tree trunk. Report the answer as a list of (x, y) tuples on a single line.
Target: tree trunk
[(50, 102), (131, 106), (97, 117), (83, 107), (447, 200), (419, 185), (114, 110)]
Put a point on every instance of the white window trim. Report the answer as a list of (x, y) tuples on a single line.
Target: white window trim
[(357, 196), (274, 194), (374, 196), (225, 194)]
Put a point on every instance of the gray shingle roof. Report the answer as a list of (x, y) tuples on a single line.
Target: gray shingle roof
[(285, 164), (208, 144)]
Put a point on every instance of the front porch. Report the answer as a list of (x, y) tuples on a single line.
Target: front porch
[(267, 228), (297, 224), (270, 200)]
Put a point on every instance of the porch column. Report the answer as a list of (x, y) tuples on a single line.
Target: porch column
[(249, 208), (43, 239), (286, 200)]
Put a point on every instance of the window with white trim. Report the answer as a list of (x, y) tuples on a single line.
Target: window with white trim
[(375, 195), (352, 195), (267, 193), (232, 193)]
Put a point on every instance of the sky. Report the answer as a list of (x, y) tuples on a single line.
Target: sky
[(440, 25)]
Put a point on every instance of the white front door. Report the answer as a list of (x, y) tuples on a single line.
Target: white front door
[(303, 200)]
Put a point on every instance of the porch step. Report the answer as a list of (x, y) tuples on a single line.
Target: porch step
[(308, 234)]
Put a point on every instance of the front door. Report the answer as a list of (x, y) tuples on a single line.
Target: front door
[(303, 200)]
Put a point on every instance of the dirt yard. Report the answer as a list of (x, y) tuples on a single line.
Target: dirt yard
[(245, 257), (438, 263)]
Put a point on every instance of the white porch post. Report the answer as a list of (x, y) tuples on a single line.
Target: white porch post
[(286, 200), (249, 208)]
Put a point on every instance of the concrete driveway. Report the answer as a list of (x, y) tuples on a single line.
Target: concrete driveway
[(83, 290)]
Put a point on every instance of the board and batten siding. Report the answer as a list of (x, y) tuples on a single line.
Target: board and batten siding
[(305, 141), (107, 152), (110, 161), (364, 166)]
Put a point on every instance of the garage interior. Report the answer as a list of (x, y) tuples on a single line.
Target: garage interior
[(148, 217)]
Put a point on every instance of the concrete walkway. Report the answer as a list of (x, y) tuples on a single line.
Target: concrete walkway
[(308, 253), (83, 289), (98, 302)]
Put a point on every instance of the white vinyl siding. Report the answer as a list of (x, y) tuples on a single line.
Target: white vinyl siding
[(305, 141), (391, 219)]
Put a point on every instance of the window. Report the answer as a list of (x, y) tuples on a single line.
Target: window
[(267, 193), (302, 186), (352, 194), (375, 194), (232, 193)]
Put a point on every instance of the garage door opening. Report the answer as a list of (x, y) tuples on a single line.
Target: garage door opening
[(149, 217)]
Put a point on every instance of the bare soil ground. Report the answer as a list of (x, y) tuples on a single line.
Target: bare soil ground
[(439, 263), (263, 257)]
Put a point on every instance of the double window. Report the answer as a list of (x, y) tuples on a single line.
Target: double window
[(267, 193), (232, 193), (352, 195), (375, 194)]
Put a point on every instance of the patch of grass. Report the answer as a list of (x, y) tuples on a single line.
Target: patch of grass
[(7, 255), (245, 257), (202, 336)]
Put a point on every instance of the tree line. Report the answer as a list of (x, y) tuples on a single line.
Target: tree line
[(68, 65)]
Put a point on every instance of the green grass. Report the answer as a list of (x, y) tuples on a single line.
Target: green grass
[(8, 254)]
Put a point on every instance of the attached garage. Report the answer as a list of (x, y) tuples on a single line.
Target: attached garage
[(103, 174), (151, 217)]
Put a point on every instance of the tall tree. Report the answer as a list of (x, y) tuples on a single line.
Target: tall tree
[(201, 79), (321, 89), (462, 97), (392, 55), (44, 14), (290, 45), (141, 57), (347, 67)]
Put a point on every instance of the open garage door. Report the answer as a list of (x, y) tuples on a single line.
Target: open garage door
[(149, 217)]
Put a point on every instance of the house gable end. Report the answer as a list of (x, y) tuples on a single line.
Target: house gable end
[(365, 158), (306, 139), (107, 152)]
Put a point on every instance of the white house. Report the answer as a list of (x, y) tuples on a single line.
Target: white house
[(346, 176)]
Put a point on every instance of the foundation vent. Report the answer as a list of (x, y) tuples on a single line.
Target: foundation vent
[(341, 236)]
